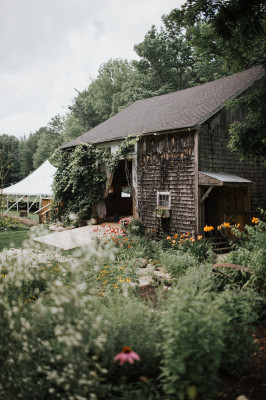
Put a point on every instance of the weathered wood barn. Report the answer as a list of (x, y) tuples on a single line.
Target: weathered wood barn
[(181, 162)]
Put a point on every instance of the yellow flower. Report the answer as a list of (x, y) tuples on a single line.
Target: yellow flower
[(128, 280), (255, 220), (199, 237)]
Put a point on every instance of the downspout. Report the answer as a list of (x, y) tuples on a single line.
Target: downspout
[(196, 180)]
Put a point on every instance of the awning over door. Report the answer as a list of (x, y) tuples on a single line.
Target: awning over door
[(221, 179)]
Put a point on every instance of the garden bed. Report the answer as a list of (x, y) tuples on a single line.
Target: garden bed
[(252, 383)]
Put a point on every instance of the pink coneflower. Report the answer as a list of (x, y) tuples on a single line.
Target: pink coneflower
[(127, 355)]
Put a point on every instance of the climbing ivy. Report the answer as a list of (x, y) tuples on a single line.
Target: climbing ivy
[(79, 182)]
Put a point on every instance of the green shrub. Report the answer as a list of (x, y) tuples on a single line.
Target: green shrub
[(176, 263), (199, 247), (251, 253), (192, 345), (58, 337), (11, 224), (135, 227), (205, 333), (241, 310)]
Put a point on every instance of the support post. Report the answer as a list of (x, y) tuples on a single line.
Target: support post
[(206, 194)]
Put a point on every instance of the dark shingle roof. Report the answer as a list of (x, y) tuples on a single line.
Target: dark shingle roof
[(182, 109)]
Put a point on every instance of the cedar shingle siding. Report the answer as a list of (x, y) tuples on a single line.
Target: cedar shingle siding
[(166, 163), (181, 134)]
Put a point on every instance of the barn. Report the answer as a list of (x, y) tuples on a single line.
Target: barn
[(180, 175)]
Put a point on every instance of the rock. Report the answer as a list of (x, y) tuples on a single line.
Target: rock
[(53, 228), (145, 281), (140, 262), (145, 271)]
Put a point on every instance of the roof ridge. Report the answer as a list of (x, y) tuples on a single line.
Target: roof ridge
[(200, 84)]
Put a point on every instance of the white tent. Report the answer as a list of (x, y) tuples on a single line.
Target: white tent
[(38, 184)]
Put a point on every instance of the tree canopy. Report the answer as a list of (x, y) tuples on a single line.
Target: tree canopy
[(202, 41)]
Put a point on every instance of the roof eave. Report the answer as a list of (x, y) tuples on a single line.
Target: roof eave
[(221, 106)]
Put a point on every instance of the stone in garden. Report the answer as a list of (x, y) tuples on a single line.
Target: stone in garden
[(141, 262)]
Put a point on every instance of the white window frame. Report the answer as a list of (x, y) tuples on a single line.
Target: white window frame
[(163, 194)]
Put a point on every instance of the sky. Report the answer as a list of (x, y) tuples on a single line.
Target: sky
[(49, 48)]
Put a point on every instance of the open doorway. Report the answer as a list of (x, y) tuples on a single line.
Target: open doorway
[(119, 202), (227, 204)]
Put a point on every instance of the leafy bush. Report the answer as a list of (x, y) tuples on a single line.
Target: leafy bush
[(59, 337), (199, 247), (11, 224), (177, 263), (250, 252), (135, 227), (204, 334), (241, 309), (193, 344)]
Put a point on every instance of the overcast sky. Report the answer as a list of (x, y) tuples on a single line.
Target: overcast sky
[(50, 47)]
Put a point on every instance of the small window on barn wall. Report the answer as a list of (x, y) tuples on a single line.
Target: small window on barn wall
[(125, 191), (163, 199)]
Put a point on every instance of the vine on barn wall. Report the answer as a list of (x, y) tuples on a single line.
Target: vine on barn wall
[(79, 182)]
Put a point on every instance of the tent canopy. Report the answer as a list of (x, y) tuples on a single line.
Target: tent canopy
[(38, 183)]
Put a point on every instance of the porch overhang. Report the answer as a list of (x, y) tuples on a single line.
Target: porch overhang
[(221, 179)]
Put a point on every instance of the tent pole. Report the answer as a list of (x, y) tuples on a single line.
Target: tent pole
[(15, 203), (33, 202)]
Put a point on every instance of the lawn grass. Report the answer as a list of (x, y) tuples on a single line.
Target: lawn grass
[(31, 215), (14, 239)]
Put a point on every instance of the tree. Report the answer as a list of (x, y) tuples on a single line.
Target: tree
[(72, 128), (166, 59), (95, 104), (50, 138), (10, 160), (27, 149), (237, 30), (9, 163)]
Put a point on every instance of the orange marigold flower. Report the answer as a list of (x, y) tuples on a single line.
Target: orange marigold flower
[(168, 238), (173, 241), (255, 220), (200, 237)]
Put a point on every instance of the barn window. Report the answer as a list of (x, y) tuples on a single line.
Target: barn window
[(163, 199), (125, 191)]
